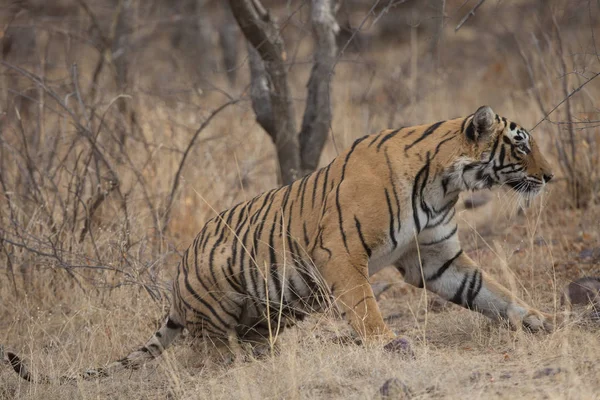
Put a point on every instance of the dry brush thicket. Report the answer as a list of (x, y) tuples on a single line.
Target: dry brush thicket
[(125, 125)]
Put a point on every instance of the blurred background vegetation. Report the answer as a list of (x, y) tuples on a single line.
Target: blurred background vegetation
[(126, 124)]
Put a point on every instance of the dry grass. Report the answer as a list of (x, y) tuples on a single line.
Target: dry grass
[(63, 328)]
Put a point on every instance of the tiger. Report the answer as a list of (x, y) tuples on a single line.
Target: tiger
[(387, 200)]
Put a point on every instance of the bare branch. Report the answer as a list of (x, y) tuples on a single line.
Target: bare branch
[(93, 203), (185, 155), (468, 15), (577, 89)]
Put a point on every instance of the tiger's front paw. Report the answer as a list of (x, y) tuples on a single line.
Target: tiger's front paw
[(536, 321)]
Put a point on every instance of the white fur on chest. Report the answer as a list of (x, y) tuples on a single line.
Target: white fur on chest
[(386, 255), (408, 240)]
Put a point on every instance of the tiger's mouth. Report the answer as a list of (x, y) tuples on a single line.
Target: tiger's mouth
[(526, 186)]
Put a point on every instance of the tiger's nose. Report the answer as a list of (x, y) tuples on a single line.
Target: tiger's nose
[(548, 177)]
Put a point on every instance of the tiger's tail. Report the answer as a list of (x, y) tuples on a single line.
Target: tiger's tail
[(161, 339)]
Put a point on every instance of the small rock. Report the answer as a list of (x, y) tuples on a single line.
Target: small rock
[(394, 388), (548, 371), (541, 241), (475, 376), (583, 291), (589, 255), (506, 375), (400, 345)]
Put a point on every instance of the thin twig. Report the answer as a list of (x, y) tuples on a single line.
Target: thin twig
[(185, 155), (565, 99), (468, 15)]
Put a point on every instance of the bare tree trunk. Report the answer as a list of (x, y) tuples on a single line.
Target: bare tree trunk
[(317, 114), (298, 154), (228, 35), (263, 33)]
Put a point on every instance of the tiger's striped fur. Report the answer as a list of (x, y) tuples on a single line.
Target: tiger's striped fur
[(389, 199)]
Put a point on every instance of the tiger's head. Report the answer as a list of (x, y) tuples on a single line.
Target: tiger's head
[(501, 152)]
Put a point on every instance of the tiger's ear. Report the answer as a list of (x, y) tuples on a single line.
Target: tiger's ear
[(483, 124)]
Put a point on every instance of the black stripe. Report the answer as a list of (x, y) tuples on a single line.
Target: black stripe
[(356, 143), (314, 193), (393, 185), (258, 212), (457, 298), (173, 325), (451, 203), (420, 182), (445, 237), (474, 288), (415, 194), (324, 189), (337, 194), (231, 279), (302, 190), (451, 212), (437, 148), (322, 247), (209, 290), (204, 237), (375, 137), (273, 258), (197, 312), (153, 349), (513, 153), (211, 256), (427, 132), (449, 132), (286, 198), (17, 365), (494, 148), (288, 232), (392, 219), (244, 214), (205, 329), (445, 182), (304, 272), (255, 243), (362, 238), (362, 301), (306, 239), (388, 137), (340, 218), (243, 252), (501, 157), (438, 274)]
